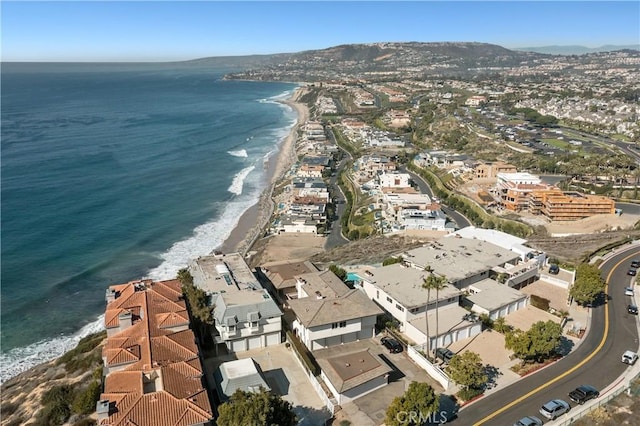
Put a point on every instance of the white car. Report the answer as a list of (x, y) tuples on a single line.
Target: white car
[(628, 291), (629, 357)]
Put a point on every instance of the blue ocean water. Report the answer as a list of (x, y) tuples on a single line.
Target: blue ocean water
[(112, 172)]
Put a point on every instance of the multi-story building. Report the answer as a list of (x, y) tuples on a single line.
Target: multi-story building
[(246, 317), (491, 169), (151, 359), (559, 205)]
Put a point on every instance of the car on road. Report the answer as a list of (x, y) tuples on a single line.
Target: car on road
[(528, 421), (632, 309), (554, 269), (635, 263), (632, 272), (628, 291), (555, 408), (444, 354), (583, 393), (629, 357), (392, 344)]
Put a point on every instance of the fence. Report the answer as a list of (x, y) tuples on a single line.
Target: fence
[(602, 401), (432, 370), (312, 378)]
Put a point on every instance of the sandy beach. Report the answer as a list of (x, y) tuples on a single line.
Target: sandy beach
[(254, 220)]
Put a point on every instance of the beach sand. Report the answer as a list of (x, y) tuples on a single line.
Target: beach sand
[(255, 219)]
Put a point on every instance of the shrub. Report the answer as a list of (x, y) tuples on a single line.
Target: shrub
[(540, 302), (85, 422), (391, 261), (8, 408), (86, 344), (85, 401), (468, 393)]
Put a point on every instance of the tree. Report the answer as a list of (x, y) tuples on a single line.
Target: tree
[(198, 302), (419, 399), (466, 369), (539, 343), (588, 285), (340, 272), (391, 261), (260, 408), (437, 283)]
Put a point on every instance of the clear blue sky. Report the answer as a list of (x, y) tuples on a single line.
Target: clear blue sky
[(178, 30)]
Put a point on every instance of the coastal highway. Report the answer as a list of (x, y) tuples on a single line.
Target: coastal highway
[(596, 361)]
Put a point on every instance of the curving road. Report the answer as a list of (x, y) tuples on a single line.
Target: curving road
[(596, 361)]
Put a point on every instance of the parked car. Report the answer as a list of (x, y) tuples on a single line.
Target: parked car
[(583, 393), (632, 309), (629, 357), (632, 272), (628, 291), (392, 344), (555, 408), (554, 269), (635, 263), (528, 421), (444, 354)]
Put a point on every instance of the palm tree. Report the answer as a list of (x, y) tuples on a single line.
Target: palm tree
[(426, 284), (437, 283)]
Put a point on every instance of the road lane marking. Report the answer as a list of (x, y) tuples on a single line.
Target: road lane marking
[(575, 367)]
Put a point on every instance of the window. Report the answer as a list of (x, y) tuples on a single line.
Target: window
[(389, 299), (231, 328), (341, 324), (377, 294), (400, 308), (254, 324), (414, 310)]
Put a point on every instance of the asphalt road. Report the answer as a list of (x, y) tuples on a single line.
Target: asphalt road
[(596, 361), (458, 218)]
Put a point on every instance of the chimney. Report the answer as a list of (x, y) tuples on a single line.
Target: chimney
[(125, 320), (102, 408), (110, 295)]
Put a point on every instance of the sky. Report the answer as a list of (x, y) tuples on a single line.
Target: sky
[(97, 31)]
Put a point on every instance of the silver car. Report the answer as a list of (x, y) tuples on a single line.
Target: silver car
[(528, 421), (554, 408)]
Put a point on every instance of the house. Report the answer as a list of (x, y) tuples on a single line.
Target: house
[(491, 169), (241, 374), (246, 317), (355, 374), (493, 299), (279, 277), (328, 313), (394, 180), (151, 359)]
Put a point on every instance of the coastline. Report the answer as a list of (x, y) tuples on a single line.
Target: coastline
[(253, 221)]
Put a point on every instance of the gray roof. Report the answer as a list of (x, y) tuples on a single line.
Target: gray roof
[(231, 309), (491, 295), (459, 258), (313, 312), (449, 319), (244, 374), (404, 285), (353, 369)]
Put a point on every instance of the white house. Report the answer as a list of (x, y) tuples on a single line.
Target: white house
[(394, 180), (352, 375), (328, 313), (494, 299), (398, 290), (246, 317)]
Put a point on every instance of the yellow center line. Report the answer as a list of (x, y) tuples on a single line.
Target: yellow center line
[(572, 369)]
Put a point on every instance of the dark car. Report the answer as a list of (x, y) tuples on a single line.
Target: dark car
[(632, 272), (392, 344), (632, 309), (444, 354), (554, 269), (583, 393), (635, 263)]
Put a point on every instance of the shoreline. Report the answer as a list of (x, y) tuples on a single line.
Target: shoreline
[(254, 220)]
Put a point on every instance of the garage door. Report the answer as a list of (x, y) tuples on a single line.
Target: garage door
[(255, 342), (273, 339), (238, 345), (447, 339)]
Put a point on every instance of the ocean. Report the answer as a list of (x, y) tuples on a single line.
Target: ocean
[(114, 172)]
